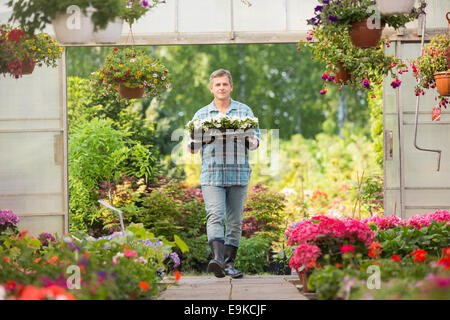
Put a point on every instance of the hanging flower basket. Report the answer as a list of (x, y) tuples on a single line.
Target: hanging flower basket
[(443, 83), (395, 7), (432, 68), (111, 34), (20, 52), (342, 76), (363, 36), (129, 68), (131, 93), (28, 66)]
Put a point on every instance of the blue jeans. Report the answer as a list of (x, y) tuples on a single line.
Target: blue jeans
[(228, 203)]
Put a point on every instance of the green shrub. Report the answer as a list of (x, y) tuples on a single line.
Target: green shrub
[(252, 254)]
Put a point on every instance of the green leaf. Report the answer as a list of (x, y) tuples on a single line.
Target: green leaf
[(181, 244)]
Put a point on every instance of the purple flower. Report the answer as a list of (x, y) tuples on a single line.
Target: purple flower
[(396, 84), (324, 76), (8, 217), (366, 83), (333, 18), (175, 259), (318, 8), (145, 3), (44, 237)]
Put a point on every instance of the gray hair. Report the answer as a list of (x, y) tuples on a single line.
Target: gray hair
[(220, 73)]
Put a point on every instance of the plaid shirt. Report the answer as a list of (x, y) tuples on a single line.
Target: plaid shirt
[(225, 163)]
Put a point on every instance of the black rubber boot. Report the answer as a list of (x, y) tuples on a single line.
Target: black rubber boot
[(216, 264), (230, 256)]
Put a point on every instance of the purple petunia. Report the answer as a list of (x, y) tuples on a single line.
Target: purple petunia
[(44, 237), (333, 18), (8, 217), (145, 3)]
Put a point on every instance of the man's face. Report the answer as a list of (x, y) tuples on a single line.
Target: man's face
[(221, 87)]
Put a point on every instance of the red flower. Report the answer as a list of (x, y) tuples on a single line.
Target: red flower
[(346, 248), (444, 263), (115, 49), (419, 255), (16, 35), (396, 258), (144, 286), (177, 275)]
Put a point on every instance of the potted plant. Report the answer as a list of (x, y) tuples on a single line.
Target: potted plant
[(356, 16), (73, 20), (131, 73), (348, 65), (389, 7), (432, 70), (130, 11), (21, 52), (221, 126)]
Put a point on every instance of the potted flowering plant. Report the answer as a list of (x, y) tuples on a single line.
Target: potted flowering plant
[(130, 11), (73, 20), (21, 52), (131, 73), (432, 69), (333, 16), (347, 64)]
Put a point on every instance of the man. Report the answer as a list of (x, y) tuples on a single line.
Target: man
[(224, 177)]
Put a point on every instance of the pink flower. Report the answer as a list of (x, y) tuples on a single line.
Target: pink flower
[(129, 253), (346, 248), (304, 255)]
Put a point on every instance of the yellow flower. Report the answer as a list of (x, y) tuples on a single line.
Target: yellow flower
[(33, 48), (140, 86), (60, 49), (148, 77), (49, 50), (39, 49), (120, 66), (155, 81), (155, 68), (147, 61)]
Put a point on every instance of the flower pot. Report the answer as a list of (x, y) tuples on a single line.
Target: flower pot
[(394, 7), (73, 28), (443, 83), (131, 93), (111, 34), (364, 35), (27, 67), (342, 76)]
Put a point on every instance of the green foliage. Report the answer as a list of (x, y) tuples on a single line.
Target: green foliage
[(403, 240), (252, 254), (326, 281), (197, 258), (134, 11)]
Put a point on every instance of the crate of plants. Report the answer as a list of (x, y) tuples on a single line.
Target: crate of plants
[(222, 127)]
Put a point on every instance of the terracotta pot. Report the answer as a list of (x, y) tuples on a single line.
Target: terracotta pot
[(395, 7), (443, 82), (341, 77), (364, 37), (131, 93), (27, 67)]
